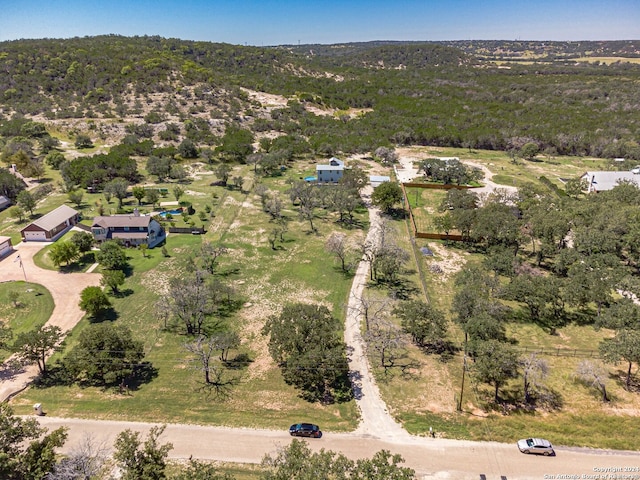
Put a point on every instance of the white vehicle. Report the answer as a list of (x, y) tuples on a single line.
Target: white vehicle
[(538, 446)]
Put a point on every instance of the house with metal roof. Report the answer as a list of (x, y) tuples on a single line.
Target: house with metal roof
[(4, 202), (132, 230), (51, 226), (331, 173), (607, 180)]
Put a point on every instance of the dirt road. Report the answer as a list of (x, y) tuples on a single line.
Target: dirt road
[(65, 289), (430, 458), (375, 419)]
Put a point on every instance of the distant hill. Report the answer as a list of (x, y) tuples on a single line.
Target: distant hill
[(350, 97)]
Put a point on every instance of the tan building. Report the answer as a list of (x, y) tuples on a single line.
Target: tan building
[(51, 226)]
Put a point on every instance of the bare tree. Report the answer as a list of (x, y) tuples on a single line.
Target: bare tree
[(386, 342), (371, 310), (594, 375), (224, 342), (338, 244), (387, 156), (210, 254), (204, 350), (191, 302), (85, 461), (162, 309), (273, 206), (534, 372)]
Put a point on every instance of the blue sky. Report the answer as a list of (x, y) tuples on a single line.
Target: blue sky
[(271, 22)]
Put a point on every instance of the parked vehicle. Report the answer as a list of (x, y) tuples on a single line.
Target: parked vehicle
[(538, 446), (305, 430)]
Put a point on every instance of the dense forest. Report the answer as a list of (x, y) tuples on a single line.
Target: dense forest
[(378, 94)]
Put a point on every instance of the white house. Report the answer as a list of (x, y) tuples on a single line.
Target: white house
[(133, 229), (606, 180), (52, 225), (330, 173)]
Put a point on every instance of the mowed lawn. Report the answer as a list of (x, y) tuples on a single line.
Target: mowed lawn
[(264, 279), (23, 306)]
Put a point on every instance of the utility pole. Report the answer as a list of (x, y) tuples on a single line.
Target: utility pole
[(464, 369)]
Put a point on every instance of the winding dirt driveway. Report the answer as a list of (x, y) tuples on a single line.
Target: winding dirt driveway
[(65, 289)]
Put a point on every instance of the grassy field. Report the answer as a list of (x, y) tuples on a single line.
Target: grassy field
[(265, 279), (300, 270), (32, 308)]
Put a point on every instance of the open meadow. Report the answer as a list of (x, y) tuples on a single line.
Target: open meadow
[(299, 269)]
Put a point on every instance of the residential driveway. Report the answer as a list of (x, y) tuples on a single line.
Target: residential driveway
[(375, 419), (65, 289)]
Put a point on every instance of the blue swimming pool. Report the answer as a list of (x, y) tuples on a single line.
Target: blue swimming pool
[(177, 211)]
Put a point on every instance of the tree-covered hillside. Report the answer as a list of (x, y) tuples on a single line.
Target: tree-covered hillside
[(406, 92)]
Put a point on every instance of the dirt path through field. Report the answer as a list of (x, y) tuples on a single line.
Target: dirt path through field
[(375, 418)]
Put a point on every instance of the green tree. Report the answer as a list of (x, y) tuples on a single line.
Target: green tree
[(529, 151), (140, 461), (94, 301), (188, 149), (625, 347), (75, 197), (178, 192), (83, 141), (83, 240), (296, 461), (27, 201), (354, 178), (34, 346), (17, 212), (196, 470), (304, 339), (386, 195), (495, 364), (117, 187), (152, 196), (10, 185), (27, 451), (223, 172), (159, 166), (139, 193), (112, 256), (64, 252), (426, 324), (236, 144), (112, 279), (105, 354), (54, 160)]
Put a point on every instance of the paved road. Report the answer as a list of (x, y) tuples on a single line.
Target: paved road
[(65, 289)]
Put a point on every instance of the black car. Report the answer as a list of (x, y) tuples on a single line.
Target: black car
[(305, 430)]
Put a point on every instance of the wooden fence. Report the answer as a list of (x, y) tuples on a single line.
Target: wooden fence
[(430, 235), (192, 230)]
